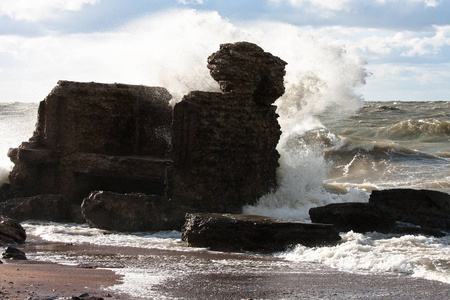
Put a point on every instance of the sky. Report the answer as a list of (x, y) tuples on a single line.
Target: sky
[(401, 46)]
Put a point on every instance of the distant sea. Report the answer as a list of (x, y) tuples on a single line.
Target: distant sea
[(339, 159)]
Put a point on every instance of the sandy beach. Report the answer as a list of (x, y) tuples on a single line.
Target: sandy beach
[(35, 280), (194, 275)]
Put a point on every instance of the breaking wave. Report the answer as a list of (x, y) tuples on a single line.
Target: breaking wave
[(428, 130)]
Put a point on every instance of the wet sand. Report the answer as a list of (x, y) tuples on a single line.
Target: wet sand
[(174, 274), (35, 280)]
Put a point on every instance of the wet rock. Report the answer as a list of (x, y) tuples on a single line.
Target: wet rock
[(126, 212), (245, 68), (411, 229), (427, 212), (11, 231), (41, 207), (359, 217), (428, 209), (233, 232), (14, 254)]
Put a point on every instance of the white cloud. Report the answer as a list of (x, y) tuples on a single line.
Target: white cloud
[(340, 5), (187, 2), (35, 10), (325, 4)]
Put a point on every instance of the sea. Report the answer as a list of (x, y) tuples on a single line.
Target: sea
[(329, 158)]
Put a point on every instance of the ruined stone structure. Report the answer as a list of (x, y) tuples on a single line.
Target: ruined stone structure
[(212, 152)]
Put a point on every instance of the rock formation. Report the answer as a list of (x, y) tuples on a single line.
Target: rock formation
[(224, 144), (427, 211), (234, 232), (211, 152)]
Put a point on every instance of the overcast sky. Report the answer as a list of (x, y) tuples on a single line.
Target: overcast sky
[(405, 43)]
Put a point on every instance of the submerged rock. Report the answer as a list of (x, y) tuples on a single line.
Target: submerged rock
[(11, 231), (234, 232)]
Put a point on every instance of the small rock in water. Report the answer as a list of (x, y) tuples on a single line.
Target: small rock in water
[(14, 253), (85, 266)]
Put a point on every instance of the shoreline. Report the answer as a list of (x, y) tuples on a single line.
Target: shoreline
[(141, 273), (41, 280)]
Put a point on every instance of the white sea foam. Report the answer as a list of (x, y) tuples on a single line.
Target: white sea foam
[(75, 233), (418, 256)]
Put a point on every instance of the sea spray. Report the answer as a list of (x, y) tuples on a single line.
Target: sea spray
[(170, 49), (16, 125)]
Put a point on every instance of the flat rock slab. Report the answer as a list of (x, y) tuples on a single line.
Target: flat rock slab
[(235, 232)]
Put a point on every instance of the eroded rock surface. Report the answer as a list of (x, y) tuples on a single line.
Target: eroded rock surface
[(233, 232), (127, 212), (244, 68), (11, 231), (402, 211)]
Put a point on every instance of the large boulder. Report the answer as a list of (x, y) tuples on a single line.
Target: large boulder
[(429, 209), (127, 212), (11, 231), (402, 211), (245, 68), (41, 207), (359, 217), (234, 232)]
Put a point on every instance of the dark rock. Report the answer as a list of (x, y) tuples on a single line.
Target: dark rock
[(94, 136), (225, 152), (359, 217), (14, 254), (232, 232), (11, 231), (428, 212), (245, 68), (41, 207), (126, 212), (118, 138), (416, 230), (429, 209)]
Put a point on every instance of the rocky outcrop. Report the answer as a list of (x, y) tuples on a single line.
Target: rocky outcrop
[(211, 152), (231, 232), (224, 144), (402, 211), (244, 68), (127, 212), (11, 231), (92, 136)]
